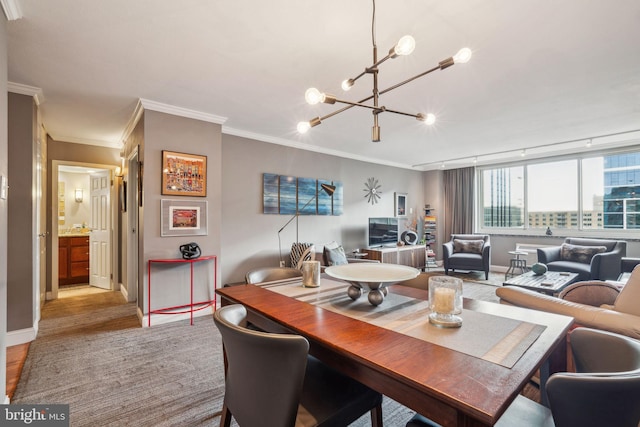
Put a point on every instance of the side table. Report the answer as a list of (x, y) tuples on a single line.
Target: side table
[(516, 263), (201, 304)]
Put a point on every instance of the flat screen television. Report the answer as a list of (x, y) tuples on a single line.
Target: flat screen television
[(383, 231)]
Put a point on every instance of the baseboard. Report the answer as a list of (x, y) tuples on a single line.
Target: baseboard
[(124, 292), (498, 269), (160, 319), (21, 336)]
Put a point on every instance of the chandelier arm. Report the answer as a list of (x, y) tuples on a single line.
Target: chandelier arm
[(399, 112), (409, 80), (358, 104)]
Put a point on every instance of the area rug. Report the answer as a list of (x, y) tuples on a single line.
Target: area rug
[(96, 358), (92, 354)]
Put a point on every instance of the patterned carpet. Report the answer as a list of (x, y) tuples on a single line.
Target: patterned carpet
[(91, 353)]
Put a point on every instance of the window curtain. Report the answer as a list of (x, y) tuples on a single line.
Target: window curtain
[(458, 201)]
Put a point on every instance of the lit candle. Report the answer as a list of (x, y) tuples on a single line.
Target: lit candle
[(443, 300)]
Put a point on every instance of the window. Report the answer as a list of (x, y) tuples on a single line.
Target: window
[(503, 195), (552, 193), (593, 193)]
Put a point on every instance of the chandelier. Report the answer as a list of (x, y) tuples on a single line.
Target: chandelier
[(404, 47)]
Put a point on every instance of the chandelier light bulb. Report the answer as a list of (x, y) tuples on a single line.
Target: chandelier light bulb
[(463, 56), (313, 96), (346, 84), (430, 119), (303, 127), (405, 46)]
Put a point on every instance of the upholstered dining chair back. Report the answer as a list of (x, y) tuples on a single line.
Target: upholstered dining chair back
[(605, 389), (272, 381), (259, 364), (268, 274)]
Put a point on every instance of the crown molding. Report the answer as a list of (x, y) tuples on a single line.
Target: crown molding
[(21, 89), (96, 142), (11, 9), (133, 121), (301, 146), (182, 112)]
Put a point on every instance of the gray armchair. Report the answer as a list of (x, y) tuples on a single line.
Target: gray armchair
[(591, 259), (467, 252)]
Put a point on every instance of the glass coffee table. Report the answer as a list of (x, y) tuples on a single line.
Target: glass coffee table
[(550, 283)]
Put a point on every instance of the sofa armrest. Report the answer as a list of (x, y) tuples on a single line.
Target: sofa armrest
[(628, 264), (546, 255), (584, 315), (593, 293), (606, 265)]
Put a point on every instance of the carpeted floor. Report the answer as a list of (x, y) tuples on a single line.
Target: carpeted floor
[(92, 354)]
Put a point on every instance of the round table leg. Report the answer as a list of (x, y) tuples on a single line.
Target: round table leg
[(354, 292), (376, 296)]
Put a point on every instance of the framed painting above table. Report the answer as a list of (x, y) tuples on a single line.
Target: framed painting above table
[(184, 174)]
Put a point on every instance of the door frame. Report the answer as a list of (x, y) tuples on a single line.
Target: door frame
[(132, 227), (55, 164)]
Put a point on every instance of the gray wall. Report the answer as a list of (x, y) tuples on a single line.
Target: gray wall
[(167, 132), (21, 214), (250, 238), (3, 208)]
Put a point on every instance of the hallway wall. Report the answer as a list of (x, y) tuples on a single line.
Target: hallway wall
[(3, 208)]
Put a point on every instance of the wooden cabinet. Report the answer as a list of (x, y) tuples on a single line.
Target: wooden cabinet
[(411, 255), (73, 260)]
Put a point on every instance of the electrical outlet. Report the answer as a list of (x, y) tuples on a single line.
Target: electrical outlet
[(281, 263)]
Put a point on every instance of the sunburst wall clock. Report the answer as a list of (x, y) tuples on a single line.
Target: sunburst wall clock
[(372, 190)]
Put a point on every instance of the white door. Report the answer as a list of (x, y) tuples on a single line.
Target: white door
[(99, 247)]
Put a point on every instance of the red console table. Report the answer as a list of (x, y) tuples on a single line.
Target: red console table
[(201, 304)]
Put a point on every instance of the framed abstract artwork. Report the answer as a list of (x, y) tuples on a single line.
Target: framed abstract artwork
[(183, 217), (184, 174)]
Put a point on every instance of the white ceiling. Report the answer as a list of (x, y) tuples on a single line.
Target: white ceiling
[(543, 72)]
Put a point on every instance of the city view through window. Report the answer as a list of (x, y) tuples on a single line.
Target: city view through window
[(588, 194)]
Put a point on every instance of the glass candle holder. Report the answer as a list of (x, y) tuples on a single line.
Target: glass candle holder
[(310, 274), (445, 301)]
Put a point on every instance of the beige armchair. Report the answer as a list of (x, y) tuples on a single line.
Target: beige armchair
[(594, 304)]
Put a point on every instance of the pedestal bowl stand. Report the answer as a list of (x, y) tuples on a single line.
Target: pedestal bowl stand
[(373, 276)]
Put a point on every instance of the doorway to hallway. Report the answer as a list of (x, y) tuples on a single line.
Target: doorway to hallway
[(82, 226)]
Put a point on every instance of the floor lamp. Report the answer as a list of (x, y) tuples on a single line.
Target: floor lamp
[(329, 189)]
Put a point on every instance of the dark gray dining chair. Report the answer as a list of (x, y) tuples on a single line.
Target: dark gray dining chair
[(268, 274), (272, 381), (604, 390)]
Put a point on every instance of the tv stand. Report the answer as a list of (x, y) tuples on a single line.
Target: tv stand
[(411, 255)]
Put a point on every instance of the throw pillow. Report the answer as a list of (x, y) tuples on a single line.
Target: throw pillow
[(335, 256), (301, 252), (468, 246), (581, 254), (327, 247), (627, 301)]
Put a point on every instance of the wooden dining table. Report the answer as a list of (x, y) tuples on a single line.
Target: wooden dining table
[(418, 367)]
